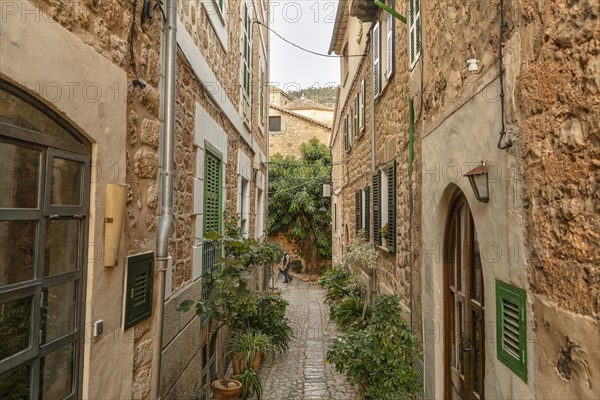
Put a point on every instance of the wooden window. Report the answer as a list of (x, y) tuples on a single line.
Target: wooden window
[(275, 123), (376, 208), (363, 92), (246, 64), (376, 59), (391, 206), (211, 250), (262, 96), (356, 114), (347, 144), (390, 43), (358, 210), (138, 297), (511, 328), (414, 38), (367, 211)]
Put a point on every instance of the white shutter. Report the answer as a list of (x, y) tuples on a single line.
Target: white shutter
[(414, 37), (246, 64), (363, 92), (376, 59), (390, 44)]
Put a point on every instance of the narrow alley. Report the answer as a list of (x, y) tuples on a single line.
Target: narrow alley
[(301, 372)]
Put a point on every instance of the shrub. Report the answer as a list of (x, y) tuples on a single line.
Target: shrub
[(339, 283), (348, 312), (296, 266), (381, 357), (269, 318)]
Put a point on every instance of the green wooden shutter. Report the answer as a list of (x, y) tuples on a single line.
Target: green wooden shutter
[(138, 296), (212, 218), (358, 210), (511, 328), (391, 199), (367, 213), (212, 193), (377, 208)]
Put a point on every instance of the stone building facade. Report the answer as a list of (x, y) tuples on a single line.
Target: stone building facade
[(71, 67), (487, 277), (293, 122)]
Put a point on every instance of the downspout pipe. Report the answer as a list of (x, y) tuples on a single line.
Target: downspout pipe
[(411, 157), (167, 177)]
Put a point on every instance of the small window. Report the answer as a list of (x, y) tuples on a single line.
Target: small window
[(138, 298), (275, 124), (363, 91), (376, 59), (511, 328), (414, 38)]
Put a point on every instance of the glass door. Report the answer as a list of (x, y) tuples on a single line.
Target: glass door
[(464, 309), (44, 194)]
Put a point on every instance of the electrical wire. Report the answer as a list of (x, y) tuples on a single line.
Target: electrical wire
[(304, 49), (136, 82)]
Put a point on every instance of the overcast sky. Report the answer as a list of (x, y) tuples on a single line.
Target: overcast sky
[(307, 23)]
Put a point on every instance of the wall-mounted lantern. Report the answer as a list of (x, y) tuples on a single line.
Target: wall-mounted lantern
[(478, 177)]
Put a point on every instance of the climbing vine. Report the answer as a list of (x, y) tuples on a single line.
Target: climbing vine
[(295, 197)]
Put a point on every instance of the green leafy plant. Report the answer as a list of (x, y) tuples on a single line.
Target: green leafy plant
[(251, 384), (380, 358), (339, 283), (385, 230), (250, 345), (348, 312), (295, 197), (270, 319), (198, 392), (296, 266)]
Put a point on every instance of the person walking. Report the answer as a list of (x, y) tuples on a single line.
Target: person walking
[(285, 268)]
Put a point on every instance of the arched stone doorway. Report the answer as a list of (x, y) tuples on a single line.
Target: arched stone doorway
[(44, 202), (464, 308)]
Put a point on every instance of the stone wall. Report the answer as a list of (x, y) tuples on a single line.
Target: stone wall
[(295, 130)]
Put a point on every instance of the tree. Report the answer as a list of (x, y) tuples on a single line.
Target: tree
[(295, 197)]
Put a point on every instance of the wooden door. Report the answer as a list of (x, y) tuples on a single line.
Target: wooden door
[(464, 307)]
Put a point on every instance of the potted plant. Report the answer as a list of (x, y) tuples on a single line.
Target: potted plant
[(226, 388), (270, 319), (251, 384), (247, 349), (385, 231)]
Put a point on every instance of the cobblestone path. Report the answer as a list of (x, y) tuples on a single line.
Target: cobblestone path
[(301, 373)]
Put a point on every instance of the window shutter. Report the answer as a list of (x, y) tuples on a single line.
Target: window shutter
[(212, 193), (390, 42), (138, 297), (346, 139), (391, 239), (376, 208), (356, 113), (246, 67), (367, 212), (414, 36), (511, 328), (358, 210), (376, 59), (362, 103)]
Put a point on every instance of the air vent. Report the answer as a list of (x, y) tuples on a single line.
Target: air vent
[(138, 299), (511, 329)]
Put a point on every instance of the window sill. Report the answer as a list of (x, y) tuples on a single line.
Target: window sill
[(384, 248)]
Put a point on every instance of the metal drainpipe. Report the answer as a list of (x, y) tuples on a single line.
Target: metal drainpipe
[(167, 176), (411, 156)]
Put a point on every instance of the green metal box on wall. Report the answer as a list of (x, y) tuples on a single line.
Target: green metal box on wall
[(138, 294)]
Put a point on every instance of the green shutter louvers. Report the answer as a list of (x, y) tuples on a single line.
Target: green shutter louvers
[(511, 328)]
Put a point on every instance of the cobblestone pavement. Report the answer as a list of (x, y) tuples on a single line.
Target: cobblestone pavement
[(301, 372)]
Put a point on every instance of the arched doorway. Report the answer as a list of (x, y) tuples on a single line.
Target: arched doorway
[(463, 305), (44, 197)]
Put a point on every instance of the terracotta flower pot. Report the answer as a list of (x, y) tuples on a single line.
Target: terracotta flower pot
[(226, 389), (238, 362)]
